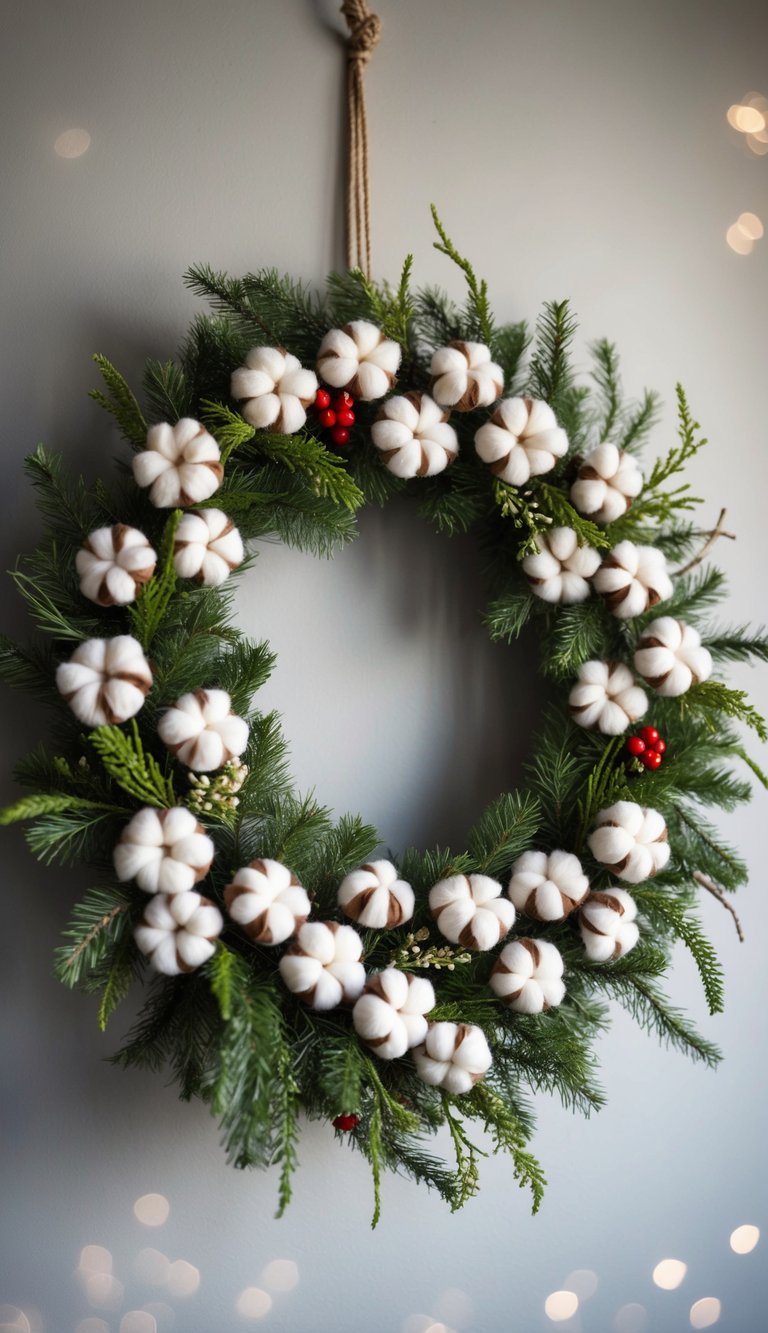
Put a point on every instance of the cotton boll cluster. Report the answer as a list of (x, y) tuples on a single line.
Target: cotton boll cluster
[(266, 899), (547, 886), (202, 731), (606, 698), (521, 440), (608, 481), (389, 1016), (632, 579), (607, 925), (164, 851), (207, 547), (671, 657), (113, 563), (464, 376), (630, 840), (273, 390), (469, 910), (360, 359), (105, 681), (528, 976), (559, 569), (322, 965), (413, 436), (178, 931), (375, 897), (180, 464), (454, 1056)]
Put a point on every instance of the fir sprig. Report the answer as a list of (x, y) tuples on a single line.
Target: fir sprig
[(130, 766), (118, 399)]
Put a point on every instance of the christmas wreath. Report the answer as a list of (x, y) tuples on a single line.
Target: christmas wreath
[(293, 969)]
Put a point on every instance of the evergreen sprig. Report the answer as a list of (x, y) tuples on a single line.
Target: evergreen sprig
[(126, 761)]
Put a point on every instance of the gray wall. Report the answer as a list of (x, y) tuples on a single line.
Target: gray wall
[(574, 148)]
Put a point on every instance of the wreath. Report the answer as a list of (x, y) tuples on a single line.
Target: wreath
[(292, 968)]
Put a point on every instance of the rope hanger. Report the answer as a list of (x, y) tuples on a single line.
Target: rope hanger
[(364, 34)]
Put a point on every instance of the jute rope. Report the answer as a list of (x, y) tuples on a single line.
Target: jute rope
[(364, 34)]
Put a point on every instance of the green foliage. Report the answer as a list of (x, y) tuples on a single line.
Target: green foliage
[(151, 606), (506, 828), (166, 390), (550, 373), (130, 766), (665, 911), (712, 697), (659, 504), (479, 317), (117, 399), (99, 922)]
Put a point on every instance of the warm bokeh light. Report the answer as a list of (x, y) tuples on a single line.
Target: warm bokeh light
[(744, 1239), (758, 144), (94, 1259), (182, 1278), (741, 244), (669, 1274), (632, 1318), (751, 225), (416, 1323), (72, 143), (745, 119), (280, 1275), (152, 1209), (103, 1291), (92, 1326), (138, 1321), (454, 1306), (151, 1266), (583, 1281), (13, 1320), (705, 1312), (561, 1305), (253, 1303)]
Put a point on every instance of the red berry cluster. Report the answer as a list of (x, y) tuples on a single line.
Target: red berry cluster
[(346, 1122), (647, 746), (335, 414)]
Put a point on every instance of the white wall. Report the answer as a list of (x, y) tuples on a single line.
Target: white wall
[(574, 147)]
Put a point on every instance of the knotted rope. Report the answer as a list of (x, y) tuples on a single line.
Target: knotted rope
[(364, 34)]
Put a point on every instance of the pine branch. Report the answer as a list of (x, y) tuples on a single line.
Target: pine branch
[(508, 615), (467, 1153), (45, 803), (120, 402), (98, 922), (505, 829), (478, 305), (167, 391), (656, 505), (608, 380), (149, 610), (737, 644), (126, 761), (508, 1135), (661, 908), (550, 373), (229, 428), (324, 472), (712, 696)]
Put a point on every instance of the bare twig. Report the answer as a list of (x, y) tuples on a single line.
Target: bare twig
[(712, 537), (719, 893)]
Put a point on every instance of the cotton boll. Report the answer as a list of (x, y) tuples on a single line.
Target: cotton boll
[(105, 680), (671, 658), (113, 563), (608, 481), (180, 464), (605, 698), (631, 579), (207, 547), (454, 1056), (464, 377), (559, 569), (389, 1015), (360, 359), (274, 390), (528, 976), (547, 886), (521, 440), (374, 897), (178, 933), (202, 731), (630, 840), (607, 925), (469, 911), (322, 965), (413, 437), (164, 851), (267, 900)]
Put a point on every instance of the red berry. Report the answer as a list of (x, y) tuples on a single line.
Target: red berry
[(342, 400), (636, 745), (660, 745), (340, 436), (345, 416), (322, 399), (651, 759), (346, 1122), (327, 418), (650, 735)]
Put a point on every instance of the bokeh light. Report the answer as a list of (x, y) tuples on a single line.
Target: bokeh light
[(103, 1291), (705, 1312), (583, 1281), (182, 1278), (13, 1320), (151, 1266), (455, 1307), (416, 1323), (152, 1210), (94, 1259), (738, 241), (631, 1318), (751, 225), (138, 1321), (561, 1305), (745, 119), (72, 143), (669, 1274), (280, 1275), (253, 1303), (744, 1239)]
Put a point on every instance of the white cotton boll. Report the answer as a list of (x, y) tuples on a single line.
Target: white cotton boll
[(274, 390), (178, 933), (375, 897), (607, 925), (605, 697), (322, 964), (547, 886), (454, 1056), (207, 547), (608, 481), (469, 911), (671, 657), (559, 569), (528, 976), (464, 377), (389, 1015), (165, 851), (521, 440), (413, 436), (267, 900), (105, 680), (360, 359), (630, 840), (180, 464), (631, 579), (113, 563), (201, 730)]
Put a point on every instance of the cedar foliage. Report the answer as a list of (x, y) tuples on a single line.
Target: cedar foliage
[(230, 1033)]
